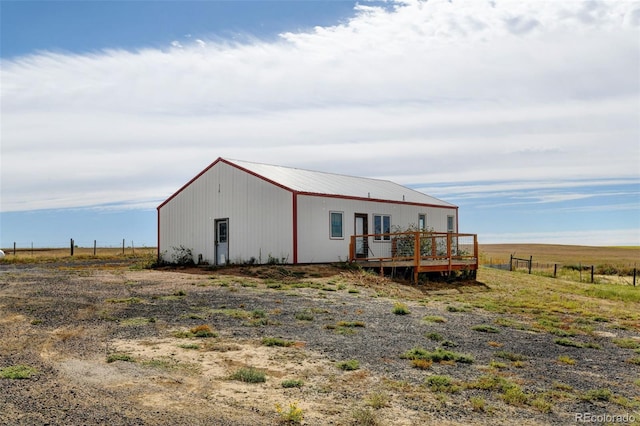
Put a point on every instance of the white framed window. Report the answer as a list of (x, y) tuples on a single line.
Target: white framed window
[(422, 222), (336, 225), (381, 225), (451, 224)]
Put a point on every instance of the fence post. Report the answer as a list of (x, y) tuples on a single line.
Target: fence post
[(634, 277), (591, 274), (133, 249), (94, 247), (14, 248), (123, 246), (511, 263), (555, 269), (530, 262), (71, 244)]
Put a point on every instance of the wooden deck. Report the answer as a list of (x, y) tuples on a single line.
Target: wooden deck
[(421, 251)]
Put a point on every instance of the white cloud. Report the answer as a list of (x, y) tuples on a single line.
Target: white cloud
[(597, 237), (432, 92)]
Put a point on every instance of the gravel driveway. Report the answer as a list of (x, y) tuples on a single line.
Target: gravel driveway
[(64, 320)]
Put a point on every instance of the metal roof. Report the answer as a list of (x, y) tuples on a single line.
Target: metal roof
[(322, 183)]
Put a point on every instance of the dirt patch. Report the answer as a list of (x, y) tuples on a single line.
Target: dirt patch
[(115, 346)]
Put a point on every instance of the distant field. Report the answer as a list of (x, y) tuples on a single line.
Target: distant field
[(561, 254)]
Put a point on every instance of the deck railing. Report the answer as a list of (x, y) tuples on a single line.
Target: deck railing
[(426, 251)]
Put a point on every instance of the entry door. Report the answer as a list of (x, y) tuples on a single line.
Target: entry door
[(361, 228), (222, 241)]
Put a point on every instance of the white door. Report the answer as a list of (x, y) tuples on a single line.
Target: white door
[(361, 229), (222, 241)]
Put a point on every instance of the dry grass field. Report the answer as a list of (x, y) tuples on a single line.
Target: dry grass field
[(108, 341), (561, 254)]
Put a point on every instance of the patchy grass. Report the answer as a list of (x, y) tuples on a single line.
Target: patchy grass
[(400, 308), (350, 365), (510, 356), (119, 357), (292, 383), (17, 372), (485, 328), (438, 383), (435, 319), (275, 341), (565, 359), (438, 355), (249, 375)]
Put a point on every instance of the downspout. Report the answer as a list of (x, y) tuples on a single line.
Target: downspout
[(295, 227)]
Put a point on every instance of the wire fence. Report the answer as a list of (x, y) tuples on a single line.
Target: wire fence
[(575, 271), (74, 247)]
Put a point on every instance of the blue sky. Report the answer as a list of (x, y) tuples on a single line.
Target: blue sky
[(524, 114)]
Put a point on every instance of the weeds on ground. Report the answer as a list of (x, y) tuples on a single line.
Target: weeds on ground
[(351, 365), (249, 375), (439, 383), (304, 316), (292, 383), (485, 328), (291, 415), (434, 318), (274, 341), (574, 344), (627, 343), (422, 364), (17, 372), (478, 404), (400, 308), (377, 400), (128, 300), (364, 417), (436, 337), (565, 359), (437, 355), (119, 357)]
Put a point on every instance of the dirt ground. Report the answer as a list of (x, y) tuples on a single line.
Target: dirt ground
[(112, 345)]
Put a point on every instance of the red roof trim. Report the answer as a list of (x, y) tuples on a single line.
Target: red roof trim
[(221, 160), (375, 200)]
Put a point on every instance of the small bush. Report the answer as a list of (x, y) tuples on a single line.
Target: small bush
[(119, 357), (351, 365), (202, 331), (304, 316), (485, 328), (377, 400), (597, 395), (274, 341), (189, 346), (458, 308), (634, 360), (249, 375), (434, 318), (350, 324), (400, 309), (437, 337), (17, 372), (364, 417), (564, 359), (438, 355), (292, 383), (293, 414), (478, 404), (514, 396), (441, 384), (422, 364), (627, 343), (568, 342)]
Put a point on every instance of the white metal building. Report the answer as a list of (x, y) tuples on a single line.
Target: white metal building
[(243, 212)]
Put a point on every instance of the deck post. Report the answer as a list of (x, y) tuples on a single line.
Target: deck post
[(449, 241), (416, 256)]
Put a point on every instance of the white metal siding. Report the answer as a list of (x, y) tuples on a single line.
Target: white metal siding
[(260, 217), (314, 242)]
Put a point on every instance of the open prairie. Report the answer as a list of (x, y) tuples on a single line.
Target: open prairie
[(95, 343), (562, 254)]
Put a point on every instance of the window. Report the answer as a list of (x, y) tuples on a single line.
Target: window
[(336, 225), (450, 225), (381, 225), (422, 222)]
